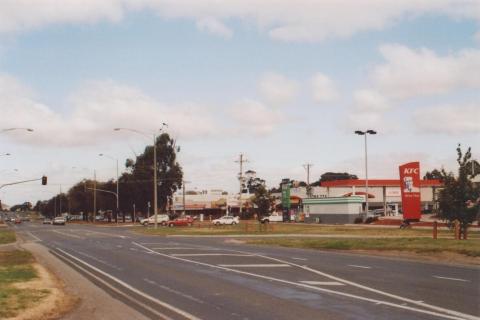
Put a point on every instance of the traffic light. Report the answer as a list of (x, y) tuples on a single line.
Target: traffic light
[(44, 180)]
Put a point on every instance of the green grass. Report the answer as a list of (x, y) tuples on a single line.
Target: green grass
[(418, 245), (15, 267), (254, 228), (6, 236)]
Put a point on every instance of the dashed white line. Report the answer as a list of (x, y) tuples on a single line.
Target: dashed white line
[(323, 283), (301, 259), (453, 279), (259, 265), (357, 266), (211, 254)]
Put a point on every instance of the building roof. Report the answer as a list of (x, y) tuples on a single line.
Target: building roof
[(377, 183)]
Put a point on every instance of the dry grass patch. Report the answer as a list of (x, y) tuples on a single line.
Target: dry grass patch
[(6, 236)]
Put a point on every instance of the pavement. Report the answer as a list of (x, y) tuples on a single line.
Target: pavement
[(223, 278)]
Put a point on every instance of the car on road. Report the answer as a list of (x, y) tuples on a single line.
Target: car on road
[(161, 219), (47, 221), (18, 220), (179, 222), (230, 220), (59, 221)]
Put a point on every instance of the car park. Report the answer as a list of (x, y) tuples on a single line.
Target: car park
[(226, 220), (161, 219), (59, 221)]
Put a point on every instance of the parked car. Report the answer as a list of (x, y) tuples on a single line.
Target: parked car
[(47, 221), (226, 220), (18, 220), (161, 219), (178, 222), (59, 221), (274, 217)]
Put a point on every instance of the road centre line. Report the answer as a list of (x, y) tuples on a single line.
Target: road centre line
[(323, 283), (357, 266), (173, 248), (106, 234), (301, 259), (140, 293), (453, 279), (447, 313), (68, 234), (211, 254), (258, 265)]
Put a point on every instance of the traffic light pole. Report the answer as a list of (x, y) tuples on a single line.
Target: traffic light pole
[(19, 182)]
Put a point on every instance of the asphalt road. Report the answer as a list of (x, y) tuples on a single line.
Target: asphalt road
[(221, 278)]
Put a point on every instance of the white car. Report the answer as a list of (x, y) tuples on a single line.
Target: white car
[(226, 220), (274, 217), (161, 219), (59, 220)]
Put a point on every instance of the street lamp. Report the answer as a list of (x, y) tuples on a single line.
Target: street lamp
[(365, 134), (118, 194), (155, 200)]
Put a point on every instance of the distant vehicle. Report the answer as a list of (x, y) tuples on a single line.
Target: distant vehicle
[(18, 220), (25, 219), (274, 217), (12, 219), (178, 222), (47, 221), (161, 219), (59, 221), (226, 220)]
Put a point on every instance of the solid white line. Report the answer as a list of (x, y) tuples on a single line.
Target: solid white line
[(323, 283), (146, 296), (106, 234), (260, 265), (174, 248), (454, 279), (211, 254), (450, 314), (357, 266), (34, 236)]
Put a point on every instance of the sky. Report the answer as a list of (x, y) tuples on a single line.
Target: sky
[(283, 82)]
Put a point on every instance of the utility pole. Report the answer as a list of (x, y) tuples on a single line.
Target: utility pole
[(183, 182), (94, 195), (241, 161), (307, 167), (60, 200)]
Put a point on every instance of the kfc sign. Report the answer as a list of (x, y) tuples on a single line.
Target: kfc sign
[(410, 190)]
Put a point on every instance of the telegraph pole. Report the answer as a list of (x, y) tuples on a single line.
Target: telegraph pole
[(241, 161), (307, 167)]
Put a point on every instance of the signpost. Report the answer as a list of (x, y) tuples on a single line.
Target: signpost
[(286, 200), (410, 190)]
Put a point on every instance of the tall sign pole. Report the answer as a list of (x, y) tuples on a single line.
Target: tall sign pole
[(410, 189)]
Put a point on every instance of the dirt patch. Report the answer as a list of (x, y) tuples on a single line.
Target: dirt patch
[(53, 303)]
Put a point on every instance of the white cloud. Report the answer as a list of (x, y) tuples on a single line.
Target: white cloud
[(256, 118), (277, 89), (370, 101), (408, 73), (285, 20), (323, 88), (449, 119), (476, 37), (97, 108), (215, 27)]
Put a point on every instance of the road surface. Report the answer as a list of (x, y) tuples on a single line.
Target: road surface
[(222, 278)]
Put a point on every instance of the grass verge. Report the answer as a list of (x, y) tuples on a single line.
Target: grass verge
[(15, 268), (418, 245), (254, 228), (6, 236)]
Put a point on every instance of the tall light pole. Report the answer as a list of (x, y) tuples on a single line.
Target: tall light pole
[(155, 200), (118, 194), (365, 133)]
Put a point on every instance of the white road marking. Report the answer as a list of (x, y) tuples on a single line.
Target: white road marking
[(357, 266), (454, 279), (301, 259), (323, 283), (106, 234), (68, 234), (259, 265), (34, 236), (174, 248), (211, 254), (447, 313), (186, 296), (144, 295)]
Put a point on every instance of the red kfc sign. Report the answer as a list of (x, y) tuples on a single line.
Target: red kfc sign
[(410, 188)]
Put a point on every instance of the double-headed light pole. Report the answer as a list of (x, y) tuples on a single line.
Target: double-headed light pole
[(155, 134), (118, 194), (365, 134)]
